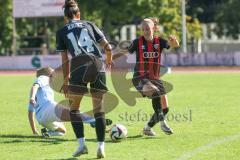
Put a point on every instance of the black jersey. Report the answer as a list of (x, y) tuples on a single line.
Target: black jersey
[(79, 37), (148, 56)]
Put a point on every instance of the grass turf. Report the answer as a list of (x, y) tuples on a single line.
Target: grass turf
[(204, 113)]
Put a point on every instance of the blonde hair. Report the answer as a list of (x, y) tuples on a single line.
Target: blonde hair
[(155, 21), (46, 71), (147, 21)]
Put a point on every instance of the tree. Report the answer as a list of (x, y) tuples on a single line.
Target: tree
[(225, 13), (228, 19), (6, 22)]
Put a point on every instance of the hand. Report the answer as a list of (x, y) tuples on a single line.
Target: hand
[(173, 42), (65, 90), (32, 101), (35, 132), (109, 65), (65, 86)]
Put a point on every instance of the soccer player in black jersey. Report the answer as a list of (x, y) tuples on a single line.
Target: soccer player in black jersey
[(148, 49), (81, 39)]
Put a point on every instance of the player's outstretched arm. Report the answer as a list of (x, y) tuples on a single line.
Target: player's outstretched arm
[(32, 122), (173, 42)]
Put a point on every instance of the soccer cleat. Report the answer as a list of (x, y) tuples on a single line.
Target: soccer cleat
[(80, 151), (44, 133), (165, 128), (149, 132), (108, 122), (100, 154)]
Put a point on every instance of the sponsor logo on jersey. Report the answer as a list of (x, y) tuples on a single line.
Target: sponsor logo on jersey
[(155, 46), (150, 54)]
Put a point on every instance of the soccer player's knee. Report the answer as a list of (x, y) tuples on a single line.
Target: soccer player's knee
[(63, 130), (75, 116), (156, 94), (99, 115), (149, 90)]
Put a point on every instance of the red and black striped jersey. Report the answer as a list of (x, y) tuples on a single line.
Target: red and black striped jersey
[(148, 56)]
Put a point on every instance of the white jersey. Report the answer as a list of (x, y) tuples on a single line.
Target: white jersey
[(45, 107), (44, 95)]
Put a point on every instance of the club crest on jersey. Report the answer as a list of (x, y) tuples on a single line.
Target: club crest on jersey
[(155, 46), (150, 54), (143, 47)]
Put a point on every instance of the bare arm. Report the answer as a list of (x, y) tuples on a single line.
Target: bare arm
[(108, 50), (66, 70), (32, 101), (33, 93), (32, 123)]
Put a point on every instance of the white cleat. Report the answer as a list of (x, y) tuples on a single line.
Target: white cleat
[(149, 132), (165, 128), (100, 154), (80, 151)]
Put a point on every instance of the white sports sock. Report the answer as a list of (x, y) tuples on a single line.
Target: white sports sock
[(55, 133), (162, 122), (101, 145), (147, 127), (81, 142)]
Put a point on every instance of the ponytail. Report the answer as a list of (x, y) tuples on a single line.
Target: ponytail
[(70, 8)]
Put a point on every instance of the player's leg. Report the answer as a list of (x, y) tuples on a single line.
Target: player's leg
[(98, 88), (77, 124), (53, 129), (63, 114), (164, 103), (49, 121), (163, 124), (152, 91)]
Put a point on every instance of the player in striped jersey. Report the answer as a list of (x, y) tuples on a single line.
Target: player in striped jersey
[(148, 49)]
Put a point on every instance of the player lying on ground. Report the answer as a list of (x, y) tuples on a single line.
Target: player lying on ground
[(81, 39), (147, 49), (49, 114)]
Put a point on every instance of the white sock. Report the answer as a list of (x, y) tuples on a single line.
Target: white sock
[(55, 133), (101, 145), (162, 122), (147, 127), (81, 142)]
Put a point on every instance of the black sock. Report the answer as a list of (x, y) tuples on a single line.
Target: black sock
[(157, 116), (100, 126), (77, 123)]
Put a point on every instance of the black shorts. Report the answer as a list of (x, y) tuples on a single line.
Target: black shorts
[(88, 72), (140, 82)]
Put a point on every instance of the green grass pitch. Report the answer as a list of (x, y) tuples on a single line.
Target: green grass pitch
[(204, 113)]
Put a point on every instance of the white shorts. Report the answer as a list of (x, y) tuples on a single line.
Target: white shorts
[(47, 116)]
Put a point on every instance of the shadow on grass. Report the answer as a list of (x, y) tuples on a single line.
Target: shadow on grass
[(73, 158), (16, 138)]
